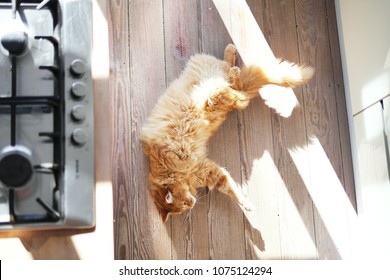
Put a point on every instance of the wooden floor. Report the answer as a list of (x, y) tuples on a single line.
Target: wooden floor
[(297, 171)]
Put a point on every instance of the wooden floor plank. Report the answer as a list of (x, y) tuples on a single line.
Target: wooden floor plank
[(147, 81), (295, 206), (225, 218), (259, 174), (117, 16), (319, 100), (181, 24), (345, 143), (332, 239), (260, 177)]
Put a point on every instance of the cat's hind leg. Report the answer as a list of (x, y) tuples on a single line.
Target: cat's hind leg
[(230, 55), (234, 74)]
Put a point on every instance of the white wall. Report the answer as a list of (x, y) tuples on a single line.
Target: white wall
[(374, 206), (364, 31), (365, 41)]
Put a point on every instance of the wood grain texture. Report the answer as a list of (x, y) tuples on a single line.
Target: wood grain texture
[(147, 81), (223, 213), (181, 31), (120, 107), (319, 102), (339, 91), (258, 171), (323, 125), (277, 160), (295, 207)]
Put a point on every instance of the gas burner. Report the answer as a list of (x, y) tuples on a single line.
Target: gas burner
[(14, 41), (46, 115), (16, 167)]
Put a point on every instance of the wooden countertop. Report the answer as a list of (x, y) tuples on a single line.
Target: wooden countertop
[(95, 243)]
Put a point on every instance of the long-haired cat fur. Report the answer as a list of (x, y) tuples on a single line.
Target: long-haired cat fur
[(190, 111)]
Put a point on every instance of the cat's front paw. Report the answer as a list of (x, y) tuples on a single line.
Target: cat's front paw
[(235, 78)]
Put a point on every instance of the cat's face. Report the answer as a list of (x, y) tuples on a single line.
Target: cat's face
[(173, 200)]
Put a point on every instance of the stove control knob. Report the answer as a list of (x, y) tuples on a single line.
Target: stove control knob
[(79, 136), (78, 67), (78, 113), (78, 90)]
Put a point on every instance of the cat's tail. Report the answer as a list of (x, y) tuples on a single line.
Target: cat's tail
[(283, 74)]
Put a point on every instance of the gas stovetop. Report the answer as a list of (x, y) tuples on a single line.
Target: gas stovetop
[(46, 115)]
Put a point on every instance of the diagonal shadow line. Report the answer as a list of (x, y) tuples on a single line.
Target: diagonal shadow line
[(256, 239)]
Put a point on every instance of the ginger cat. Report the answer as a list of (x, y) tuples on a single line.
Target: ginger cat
[(191, 110)]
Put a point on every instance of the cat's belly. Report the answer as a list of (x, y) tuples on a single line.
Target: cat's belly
[(202, 92)]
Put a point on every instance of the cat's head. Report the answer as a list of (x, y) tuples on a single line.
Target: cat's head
[(172, 200)]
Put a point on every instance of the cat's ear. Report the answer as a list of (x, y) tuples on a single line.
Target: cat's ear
[(169, 198)]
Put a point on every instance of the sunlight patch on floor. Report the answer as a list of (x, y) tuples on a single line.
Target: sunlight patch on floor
[(328, 195), (270, 218)]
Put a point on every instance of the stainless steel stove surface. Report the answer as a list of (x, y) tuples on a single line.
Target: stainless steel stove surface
[(46, 115)]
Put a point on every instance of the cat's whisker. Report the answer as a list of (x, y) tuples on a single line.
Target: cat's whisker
[(201, 203), (200, 198)]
